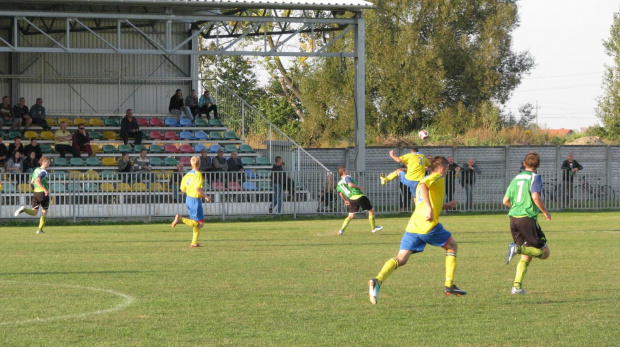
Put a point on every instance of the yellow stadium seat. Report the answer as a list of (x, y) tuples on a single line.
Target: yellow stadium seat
[(91, 175), (163, 174), (96, 148), (80, 121), (157, 187), (107, 187), (108, 161), (96, 122), (47, 135), (30, 134), (51, 122), (66, 120), (76, 175), (110, 135), (139, 187), (24, 188), (123, 187)]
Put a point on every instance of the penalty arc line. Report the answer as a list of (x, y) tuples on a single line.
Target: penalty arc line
[(127, 300)]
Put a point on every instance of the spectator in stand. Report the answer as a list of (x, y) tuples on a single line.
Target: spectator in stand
[(17, 146), (175, 180), (207, 104), (468, 179), (328, 193), (278, 177), (235, 165), (21, 112), (206, 165), (192, 102), (33, 147), (453, 170), (81, 141), (37, 113), (220, 166), (31, 162), (124, 167), (6, 114), (142, 165), (15, 165), (4, 153), (569, 168), (64, 141), (130, 128), (177, 107)]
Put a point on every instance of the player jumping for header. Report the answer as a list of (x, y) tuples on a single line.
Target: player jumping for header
[(416, 164)]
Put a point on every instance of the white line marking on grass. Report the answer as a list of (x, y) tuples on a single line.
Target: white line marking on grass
[(127, 300)]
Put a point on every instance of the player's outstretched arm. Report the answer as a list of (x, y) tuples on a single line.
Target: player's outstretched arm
[(541, 205), (394, 157)]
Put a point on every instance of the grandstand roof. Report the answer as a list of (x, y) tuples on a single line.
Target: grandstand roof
[(352, 5)]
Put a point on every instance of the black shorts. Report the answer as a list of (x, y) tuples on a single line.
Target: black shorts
[(39, 199), (363, 203), (526, 232)]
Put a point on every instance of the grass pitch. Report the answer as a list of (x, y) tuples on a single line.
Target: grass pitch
[(294, 283)]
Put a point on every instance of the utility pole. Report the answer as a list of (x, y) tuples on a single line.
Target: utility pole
[(536, 114)]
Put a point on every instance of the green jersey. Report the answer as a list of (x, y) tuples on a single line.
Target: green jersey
[(520, 194), (45, 179), (350, 193)]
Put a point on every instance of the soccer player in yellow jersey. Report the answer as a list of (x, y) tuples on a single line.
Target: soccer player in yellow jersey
[(424, 228), (191, 184), (416, 165)]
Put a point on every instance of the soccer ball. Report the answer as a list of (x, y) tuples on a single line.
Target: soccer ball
[(423, 134)]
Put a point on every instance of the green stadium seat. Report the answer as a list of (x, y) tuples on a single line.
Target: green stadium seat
[(262, 185), (156, 161), (156, 149), (231, 148), (230, 135), (91, 187), (170, 161), (61, 162), (262, 161), (138, 148), (125, 148), (111, 122), (95, 135), (108, 175), (59, 174), (200, 122), (92, 161), (247, 161), (13, 134), (215, 135), (57, 187), (215, 123), (109, 149), (77, 162), (46, 149), (74, 187), (263, 173), (246, 148)]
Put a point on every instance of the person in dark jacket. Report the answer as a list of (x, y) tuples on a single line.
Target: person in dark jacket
[(468, 179), (278, 177), (130, 128), (569, 168), (453, 170), (33, 147), (31, 162), (177, 107), (81, 141), (235, 166), (37, 114)]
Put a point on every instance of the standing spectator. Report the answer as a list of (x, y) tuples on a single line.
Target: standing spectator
[(569, 168), (235, 165), (15, 166), (22, 113), (4, 152), (130, 128), (6, 114), (192, 102), (142, 165), (453, 170), (468, 179), (124, 167), (31, 162), (278, 177), (81, 141), (63, 143), (177, 107), (33, 147), (207, 104), (220, 165), (17, 146), (206, 165), (37, 113), (328, 193)]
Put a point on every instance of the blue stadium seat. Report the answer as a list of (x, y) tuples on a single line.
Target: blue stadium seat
[(186, 122), (199, 147), (171, 122), (250, 185), (214, 148), (186, 135), (201, 135)]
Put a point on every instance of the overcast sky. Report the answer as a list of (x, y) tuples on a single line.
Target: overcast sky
[(566, 40)]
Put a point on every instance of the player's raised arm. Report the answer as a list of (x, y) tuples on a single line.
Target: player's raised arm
[(394, 157)]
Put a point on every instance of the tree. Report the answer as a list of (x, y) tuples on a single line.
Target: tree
[(608, 109)]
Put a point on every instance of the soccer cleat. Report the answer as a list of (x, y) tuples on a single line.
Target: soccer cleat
[(518, 291), (377, 228), (40, 232), (176, 221), (196, 245), (512, 251), (454, 290), (382, 178), (340, 232), (20, 210), (373, 290)]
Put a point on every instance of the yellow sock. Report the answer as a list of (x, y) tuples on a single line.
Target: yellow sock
[(450, 267), (345, 223), (42, 221), (196, 232), (387, 270), (190, 222), (521, 270), (30, 212), (371, 219), (392, 175)]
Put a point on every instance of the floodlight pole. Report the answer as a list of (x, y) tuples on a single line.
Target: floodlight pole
[(360, 94)]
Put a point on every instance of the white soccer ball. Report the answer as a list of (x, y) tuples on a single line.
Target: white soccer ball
[(423, 134)]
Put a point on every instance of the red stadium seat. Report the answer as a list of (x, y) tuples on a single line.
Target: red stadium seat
[(171, 149), (171, 135), (218, 186), (186, 149), (156, 135), (156, 122), (187, 161), (234, 186), (143, 122)]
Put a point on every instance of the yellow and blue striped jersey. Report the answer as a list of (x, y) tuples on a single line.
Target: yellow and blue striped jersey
[(436, 184), (416, 164), (191, 182)]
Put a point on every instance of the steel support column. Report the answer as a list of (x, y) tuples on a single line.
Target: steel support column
[(360, 95)]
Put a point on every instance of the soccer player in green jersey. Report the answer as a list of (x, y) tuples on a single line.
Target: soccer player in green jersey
[(353, 196), (523, 197), (424, 228), (40, 197), (416, 169)]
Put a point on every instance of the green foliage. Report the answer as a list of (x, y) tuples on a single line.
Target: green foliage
[(609, 104)]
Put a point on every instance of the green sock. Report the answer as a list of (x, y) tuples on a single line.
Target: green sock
[(30, 212), (42, 221), (521, 270), (531, 251), (345, 223), (371, 219)]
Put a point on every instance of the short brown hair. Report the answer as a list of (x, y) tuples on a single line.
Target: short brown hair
[(532, 160), (439, 161), (341, 170)]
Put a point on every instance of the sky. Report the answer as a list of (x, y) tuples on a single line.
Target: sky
[(566, 40)]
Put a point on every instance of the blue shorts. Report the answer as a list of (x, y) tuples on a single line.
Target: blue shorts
[(411, 184), (438, 236), (194, 207)]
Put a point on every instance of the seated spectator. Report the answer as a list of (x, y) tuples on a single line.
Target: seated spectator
[(15, 165), (220, 165), (6, 114), (22, 113), (192, 102), (177, 107), (206, 165), (4, 153), (130, 128), (206, 105), (81, 141), (33, 147), (37, 113), (17, 146), (235, 165), (124, 167), (142, 165), (64, 141), (31, 162)]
